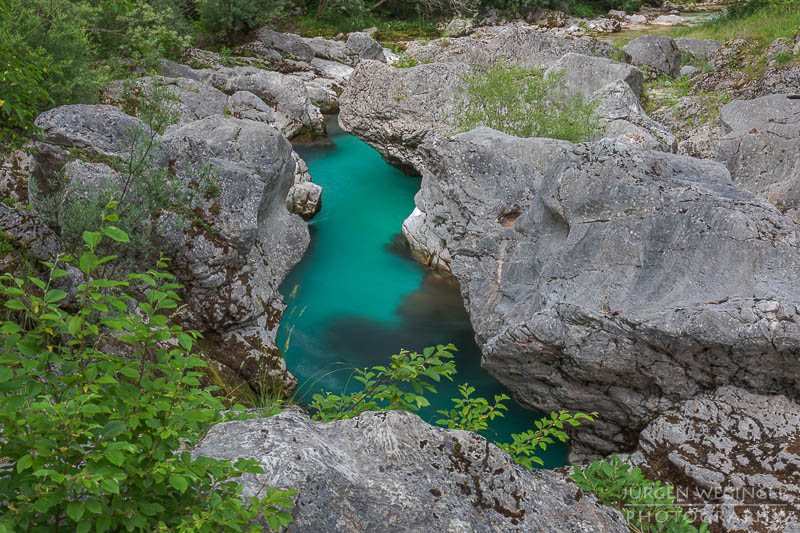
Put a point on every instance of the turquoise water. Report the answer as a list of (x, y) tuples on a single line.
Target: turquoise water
[(357, 296)]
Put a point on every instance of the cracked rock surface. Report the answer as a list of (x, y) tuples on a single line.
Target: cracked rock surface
[(761, 147), (391, 471), (733, 455), (602, 277)]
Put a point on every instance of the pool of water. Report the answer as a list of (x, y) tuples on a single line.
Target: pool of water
[(357, 296), (693, 18)]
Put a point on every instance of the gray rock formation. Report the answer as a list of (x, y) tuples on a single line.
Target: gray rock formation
[(395, 110), (294, 112), (232, 259), (733, 457), (517, 43), (689, 71), (602, 277), (622, 118), (585, 75), (362, 46), (305, 197), (285, 44), (390, 471), (761, 147), (655, 53), (697, 48)]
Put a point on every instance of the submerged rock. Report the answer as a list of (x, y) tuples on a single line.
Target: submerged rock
[(602, 277), (733, 457), (392, 471), (761, 147)]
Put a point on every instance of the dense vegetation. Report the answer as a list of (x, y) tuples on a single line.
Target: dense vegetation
[(101, 399)]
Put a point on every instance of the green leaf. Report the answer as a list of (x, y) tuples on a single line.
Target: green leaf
[(75, 510), (102, 524), (92, 238), (115, 456), (83, 527), (113, 232), (110, 484), (179, 482), (5, 374), (54, 295), (24, 462), (112, 428)]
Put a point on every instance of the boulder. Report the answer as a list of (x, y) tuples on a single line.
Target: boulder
[(362, 46), (658, 53), (517, 43), (733, 457), (288, 96), (246, 105), (638, 19), (240, 242), (190, 98), (305, 197), (395, 110), (602, 277), (285, 44), (329, 50), (623, 118), (761, 146), (585, 75), (689, 71), (668, 20), (392, 471), (697, 48)]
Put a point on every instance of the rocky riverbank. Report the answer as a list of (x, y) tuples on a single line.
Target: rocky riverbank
[(649, 274)]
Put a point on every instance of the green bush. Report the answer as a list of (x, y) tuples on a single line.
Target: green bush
[(648, 506), (524, 102), (94, 440), (232, 18), (400, 386)]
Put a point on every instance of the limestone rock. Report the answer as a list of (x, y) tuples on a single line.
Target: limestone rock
[(294, 112), (190, 98), (392, 471), (395, 110), (698, 48), (285, 44), (659, 53), (733, 457), (585, 75), (602, 277), (761, 147), (516, 43), (689, 71), (232, 260), (668, 20), (623, 118), (363, 46), (305, 197)]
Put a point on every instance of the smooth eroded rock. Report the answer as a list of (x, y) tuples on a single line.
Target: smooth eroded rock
[(602, 277)]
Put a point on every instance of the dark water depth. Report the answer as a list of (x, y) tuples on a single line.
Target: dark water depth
[(357, 296)]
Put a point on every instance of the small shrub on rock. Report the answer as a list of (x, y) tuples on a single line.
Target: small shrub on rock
[(524, 102)]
